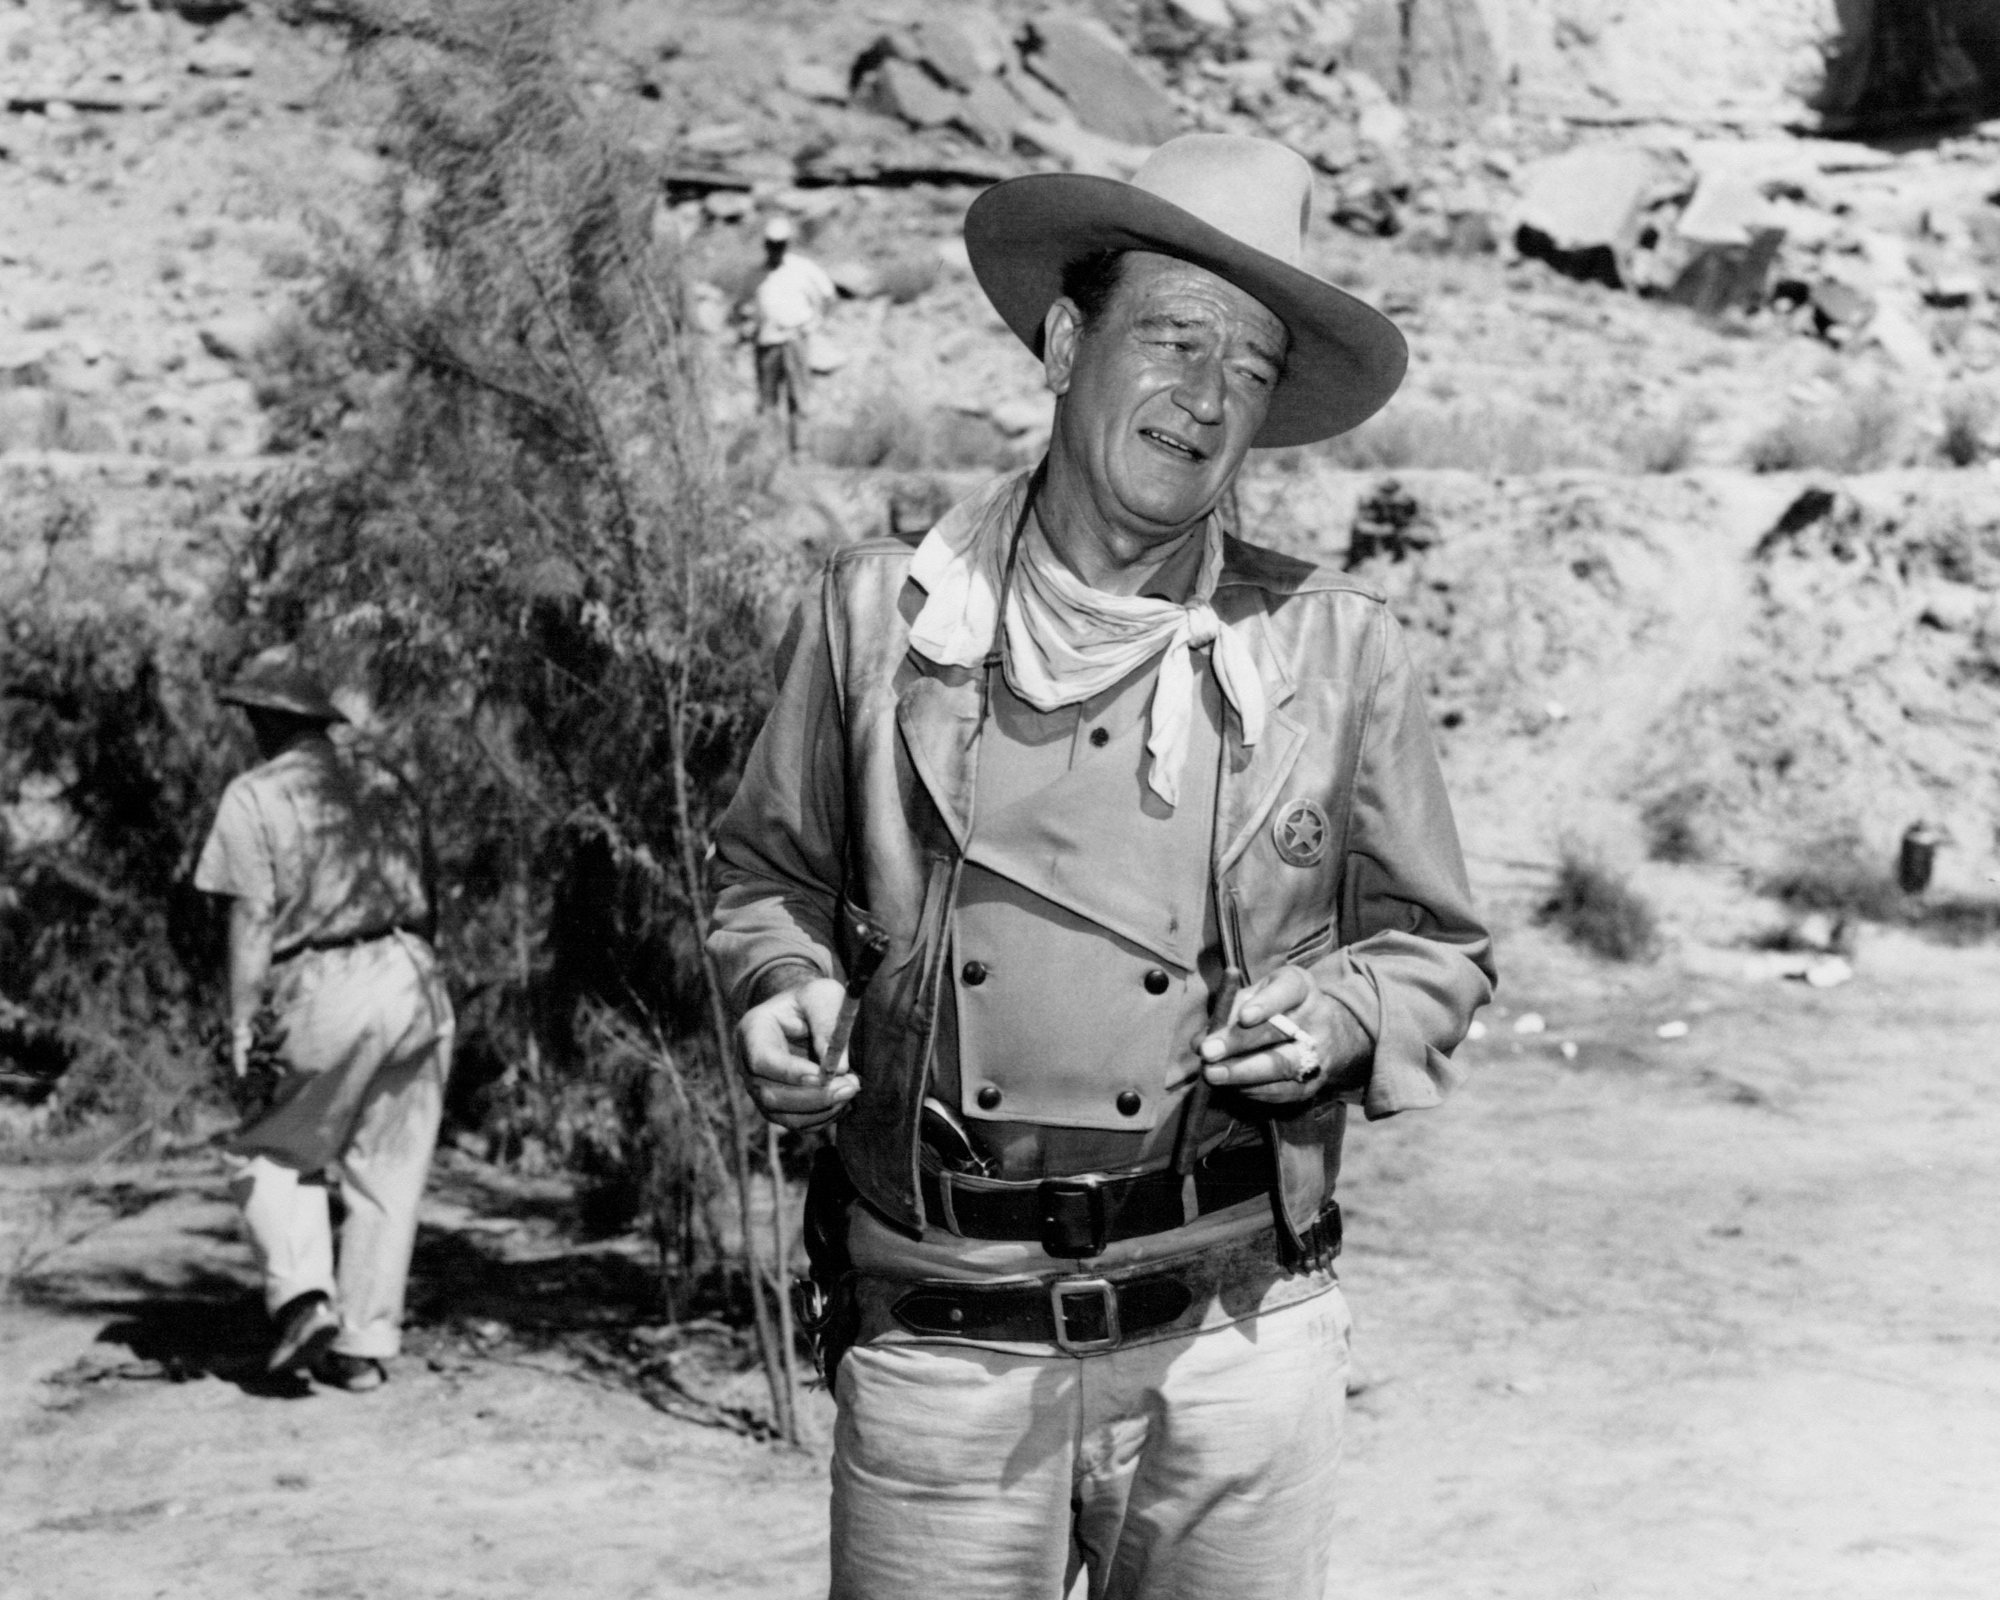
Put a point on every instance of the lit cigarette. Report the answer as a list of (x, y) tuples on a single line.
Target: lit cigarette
[(1290, 1029)]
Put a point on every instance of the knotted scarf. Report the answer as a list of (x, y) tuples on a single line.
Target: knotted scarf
[(1067, 641)]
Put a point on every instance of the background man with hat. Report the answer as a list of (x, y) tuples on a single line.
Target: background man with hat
[(784, 308), (333, 989), (1147, 828)]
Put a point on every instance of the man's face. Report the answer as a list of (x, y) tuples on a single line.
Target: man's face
[(1163, 393)]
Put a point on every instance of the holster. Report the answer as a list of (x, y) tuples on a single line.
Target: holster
[(824, 1301), (1304, 1169)]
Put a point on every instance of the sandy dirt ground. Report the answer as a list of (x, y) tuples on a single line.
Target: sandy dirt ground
[(1710, 1316)]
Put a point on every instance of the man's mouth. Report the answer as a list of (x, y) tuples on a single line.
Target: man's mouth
[(1173, 444)]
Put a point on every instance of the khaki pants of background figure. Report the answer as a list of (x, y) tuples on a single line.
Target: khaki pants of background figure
[(1197, 1468), (783, 384), (367, 1047)]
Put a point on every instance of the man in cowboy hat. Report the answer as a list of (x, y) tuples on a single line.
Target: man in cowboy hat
[(333, 987), (1146, 826)]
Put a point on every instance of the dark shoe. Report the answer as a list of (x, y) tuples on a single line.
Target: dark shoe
[(306, 1326), (355, 1374)]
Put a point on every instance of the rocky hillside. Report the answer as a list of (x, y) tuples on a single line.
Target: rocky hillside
[(1691, 503)]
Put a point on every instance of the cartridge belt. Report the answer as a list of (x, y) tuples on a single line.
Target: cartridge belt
[(1082, 1314)]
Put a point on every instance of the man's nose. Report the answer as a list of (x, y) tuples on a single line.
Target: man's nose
[(1200, 391)]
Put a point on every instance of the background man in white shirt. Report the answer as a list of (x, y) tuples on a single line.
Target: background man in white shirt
[(785, 307)]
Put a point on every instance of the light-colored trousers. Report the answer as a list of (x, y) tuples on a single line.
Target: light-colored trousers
[(1197, 1468), (367, 1048)]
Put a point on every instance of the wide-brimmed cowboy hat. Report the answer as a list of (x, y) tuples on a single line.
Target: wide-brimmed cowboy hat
[(273, 680), (1237, 206)]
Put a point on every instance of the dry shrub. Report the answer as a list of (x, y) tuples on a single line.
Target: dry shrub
[(886, 429), (1661, 444), (1855, 433), (1838, 875), (1841, 876), (1966, 435), (1598, 909), (1673, 825), (1492, 436)]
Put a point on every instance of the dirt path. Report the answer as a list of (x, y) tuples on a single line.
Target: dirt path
[(1715, 1317)]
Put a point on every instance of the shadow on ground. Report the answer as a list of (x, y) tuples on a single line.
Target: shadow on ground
[(463, 1289)]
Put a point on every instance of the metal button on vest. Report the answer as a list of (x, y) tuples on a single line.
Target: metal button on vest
[(974, 974), (1157, 981), (1128, 1103), (1100, 737), (989, 1098)]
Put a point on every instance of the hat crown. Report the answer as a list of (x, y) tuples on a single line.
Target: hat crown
[(275, 680), (1256, 191)]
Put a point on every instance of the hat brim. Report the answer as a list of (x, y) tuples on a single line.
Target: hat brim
[(278, 700), (1346, 359)]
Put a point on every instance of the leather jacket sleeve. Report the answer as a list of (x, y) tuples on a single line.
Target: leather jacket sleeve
[(778, 846), (1414, 961)]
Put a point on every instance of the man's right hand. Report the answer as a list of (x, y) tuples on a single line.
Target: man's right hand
[(781, 1040)]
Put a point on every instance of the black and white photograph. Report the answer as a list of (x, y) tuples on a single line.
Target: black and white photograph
[(1000, 799)]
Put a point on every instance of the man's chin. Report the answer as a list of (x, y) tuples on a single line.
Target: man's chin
[(1167, 498)]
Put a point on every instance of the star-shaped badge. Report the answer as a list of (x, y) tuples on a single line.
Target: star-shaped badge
[(1301, 834)]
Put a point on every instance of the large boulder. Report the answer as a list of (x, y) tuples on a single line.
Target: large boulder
[(905, 90), (948, 50), (1083, 151), (1108, 91), (1579, 211)]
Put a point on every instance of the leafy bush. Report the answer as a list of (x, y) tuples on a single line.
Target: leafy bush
[(505, 522), (513, 524), (1599, 910), (106, 776)]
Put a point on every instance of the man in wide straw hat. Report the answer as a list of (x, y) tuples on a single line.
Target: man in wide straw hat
[(1147, 825), (335, 994)]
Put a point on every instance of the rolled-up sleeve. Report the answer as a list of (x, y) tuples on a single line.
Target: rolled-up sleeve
[(1416, 962), (778, 848), (236, 858)]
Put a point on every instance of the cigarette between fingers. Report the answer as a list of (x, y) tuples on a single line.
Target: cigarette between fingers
[(1309, 1063)]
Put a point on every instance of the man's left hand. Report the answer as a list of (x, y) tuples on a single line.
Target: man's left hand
[(1267, 1065)]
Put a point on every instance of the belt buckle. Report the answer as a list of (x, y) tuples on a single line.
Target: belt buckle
[(1071, 1213), (1066, 1290)]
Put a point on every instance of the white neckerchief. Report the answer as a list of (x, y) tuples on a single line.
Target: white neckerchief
[(1067, 641)]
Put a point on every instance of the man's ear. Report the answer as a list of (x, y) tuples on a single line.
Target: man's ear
[(1062, 327)]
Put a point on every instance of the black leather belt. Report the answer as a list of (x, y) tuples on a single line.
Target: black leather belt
[(314, 947), (1076, 1314), (1078, 1217)]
